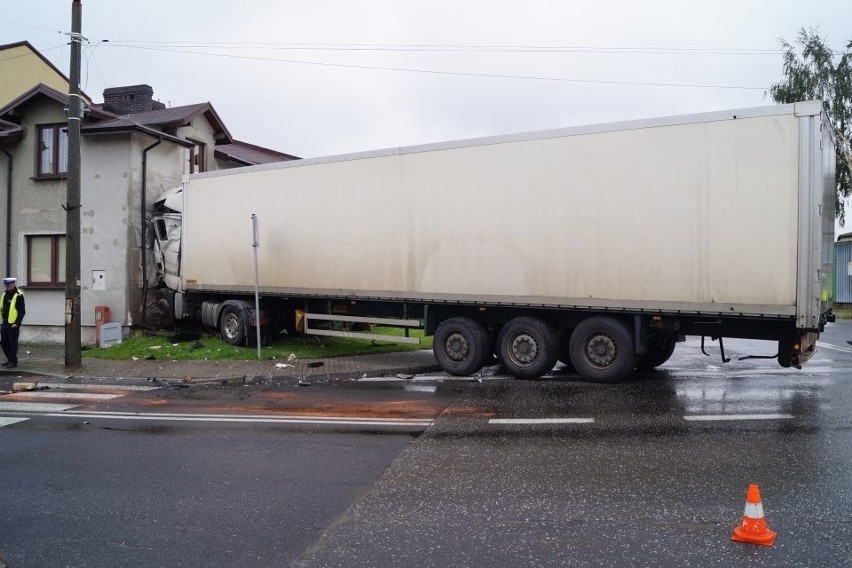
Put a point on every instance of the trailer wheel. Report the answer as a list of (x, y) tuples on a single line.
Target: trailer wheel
[(232, 326), (461, 346), (528, 347), (602, 350), (659, 351)]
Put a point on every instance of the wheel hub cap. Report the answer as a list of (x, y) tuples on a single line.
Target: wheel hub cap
[(602, 350), (456, 347), (524, 349)]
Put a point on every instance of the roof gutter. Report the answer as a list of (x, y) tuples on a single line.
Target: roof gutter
[(144, 221)]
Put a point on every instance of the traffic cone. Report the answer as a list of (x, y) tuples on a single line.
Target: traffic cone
[(753, 528)]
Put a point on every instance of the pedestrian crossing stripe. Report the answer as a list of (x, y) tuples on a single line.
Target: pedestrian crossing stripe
[(8, 421), (67, 395), (34, 407)]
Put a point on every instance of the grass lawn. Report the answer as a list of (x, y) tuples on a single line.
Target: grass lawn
[(843, 311), (211, 347)]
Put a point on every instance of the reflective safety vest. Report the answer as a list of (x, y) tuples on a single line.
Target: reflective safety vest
[(12, 316)]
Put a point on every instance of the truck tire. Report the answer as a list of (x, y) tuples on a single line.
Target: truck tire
[(660, 350), (528, 347), (602, 350), (461, 346), (232, 326)]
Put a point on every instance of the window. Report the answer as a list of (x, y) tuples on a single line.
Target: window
[(197, 157), (46, 260), (52, 151)]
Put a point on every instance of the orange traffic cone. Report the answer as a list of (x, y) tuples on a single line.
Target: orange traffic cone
[(753, 528)]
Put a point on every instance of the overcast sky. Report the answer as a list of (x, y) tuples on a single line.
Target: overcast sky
[(476, 67), (321, 77)]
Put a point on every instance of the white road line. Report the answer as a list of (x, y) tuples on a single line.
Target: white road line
[(67, 395), (721, 417), (245, 419), (432, 378), (7, 421), (39, 407), (69, 386), (541, 421), (420, 388), (833, 348)]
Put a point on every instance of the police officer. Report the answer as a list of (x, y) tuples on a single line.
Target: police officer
[(12, 310)]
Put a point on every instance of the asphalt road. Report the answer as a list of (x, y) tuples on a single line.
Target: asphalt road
[(77, 495), (648, 473), (506, 473)]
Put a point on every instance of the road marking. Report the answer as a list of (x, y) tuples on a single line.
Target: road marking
[(39, 407), (541, 421), (249, 419), (721, 417), (70, 386), (7, 421), (833, 348), (67, 395), (420, 388), (433, 378)]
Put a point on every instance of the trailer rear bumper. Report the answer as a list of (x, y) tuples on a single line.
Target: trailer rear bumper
[(806, 348)]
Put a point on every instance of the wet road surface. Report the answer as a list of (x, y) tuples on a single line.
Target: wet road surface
[(551, 472)]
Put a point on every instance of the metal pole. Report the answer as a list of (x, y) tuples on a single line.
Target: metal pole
[(72, 207), (255, 243)]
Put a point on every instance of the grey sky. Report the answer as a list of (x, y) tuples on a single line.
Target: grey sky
[(241, 57), (312, 109)]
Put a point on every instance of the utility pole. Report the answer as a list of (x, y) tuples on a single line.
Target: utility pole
[(72, 207)]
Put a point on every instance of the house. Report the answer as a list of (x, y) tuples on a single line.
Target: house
[(132, 149), (22, 67), (843, 269)]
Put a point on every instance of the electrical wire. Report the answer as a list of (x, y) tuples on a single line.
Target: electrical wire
[(437, 72), (447, 48), (30, 26)]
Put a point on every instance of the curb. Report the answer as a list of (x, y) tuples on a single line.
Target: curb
[(231, 380)]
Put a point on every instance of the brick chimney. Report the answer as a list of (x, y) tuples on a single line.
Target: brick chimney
[(130, 100)]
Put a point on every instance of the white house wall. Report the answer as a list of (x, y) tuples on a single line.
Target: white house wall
[(36, 210), (106, 180), (166, 166)]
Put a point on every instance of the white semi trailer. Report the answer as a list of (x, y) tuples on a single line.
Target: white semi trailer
[(599, 246)]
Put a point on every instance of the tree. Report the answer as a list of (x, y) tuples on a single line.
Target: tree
[(821, 73)]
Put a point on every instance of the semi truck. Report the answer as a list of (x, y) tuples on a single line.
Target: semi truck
[(599, 246)]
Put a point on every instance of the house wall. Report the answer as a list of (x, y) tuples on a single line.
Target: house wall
[(167, 164), (110, 221), (106, 179), (110, 218), (36, 210), (843, 272), (21, 70), (199, 129), (225, 165)]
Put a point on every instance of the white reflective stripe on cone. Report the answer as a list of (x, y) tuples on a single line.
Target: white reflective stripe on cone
[(753, 510)]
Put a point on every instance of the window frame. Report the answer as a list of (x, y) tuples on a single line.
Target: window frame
[(197, 156), (54, 282), (56, 130)]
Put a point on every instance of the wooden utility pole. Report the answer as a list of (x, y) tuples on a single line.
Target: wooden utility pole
[(72, 207)]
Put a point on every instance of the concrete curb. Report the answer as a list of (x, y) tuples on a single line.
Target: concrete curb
[(233, 380)]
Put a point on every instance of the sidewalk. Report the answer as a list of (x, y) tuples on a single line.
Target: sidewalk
[(49, 361)]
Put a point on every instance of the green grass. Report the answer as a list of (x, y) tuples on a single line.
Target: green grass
[(843, 311), (212, 347)]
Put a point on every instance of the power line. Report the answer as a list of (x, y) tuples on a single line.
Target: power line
[(437, 72), (447, 48), (31, 26)]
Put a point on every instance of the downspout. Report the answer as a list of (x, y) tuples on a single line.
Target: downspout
[(144, 211), (8, 213)]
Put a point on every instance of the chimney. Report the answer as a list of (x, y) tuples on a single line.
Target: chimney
[(130, 100)]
